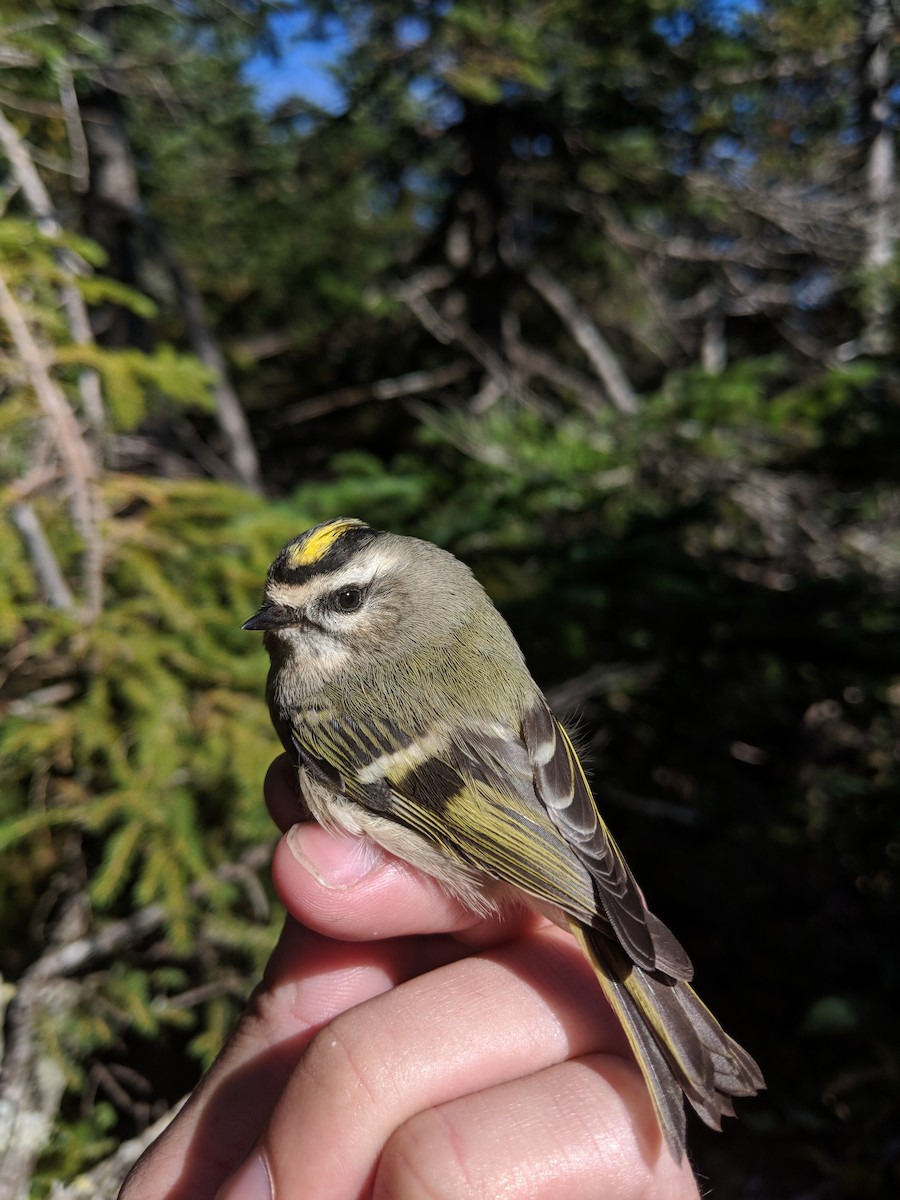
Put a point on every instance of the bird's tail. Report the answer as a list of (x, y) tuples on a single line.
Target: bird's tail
[(679, 1045)]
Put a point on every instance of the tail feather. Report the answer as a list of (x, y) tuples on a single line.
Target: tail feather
[(734, 1071), (680, 1047)]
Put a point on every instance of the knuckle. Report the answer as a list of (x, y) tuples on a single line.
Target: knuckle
[(425, 1160), (342, 1057)]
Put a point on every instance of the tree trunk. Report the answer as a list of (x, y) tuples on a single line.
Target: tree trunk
[(880, 174)]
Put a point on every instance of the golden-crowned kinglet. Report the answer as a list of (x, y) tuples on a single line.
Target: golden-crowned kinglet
[(401, 694)]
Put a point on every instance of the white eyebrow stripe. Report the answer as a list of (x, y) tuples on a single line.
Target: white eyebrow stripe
[(291, 595), (359, 573)]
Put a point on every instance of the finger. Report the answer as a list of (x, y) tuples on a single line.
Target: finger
[(347, 888), (575, 1131), (309, 981), (472, 1025)]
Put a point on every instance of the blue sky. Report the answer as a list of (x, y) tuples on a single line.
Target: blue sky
[(302, 68)]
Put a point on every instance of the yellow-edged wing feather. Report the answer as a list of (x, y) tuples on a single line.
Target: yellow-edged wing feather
[(472, 796)]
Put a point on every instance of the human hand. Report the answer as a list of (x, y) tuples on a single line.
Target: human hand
[(475, 1058)]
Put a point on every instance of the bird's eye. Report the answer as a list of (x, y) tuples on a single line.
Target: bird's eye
[(348, 599)]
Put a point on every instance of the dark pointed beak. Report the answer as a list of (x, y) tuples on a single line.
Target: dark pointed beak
[(272, 616)]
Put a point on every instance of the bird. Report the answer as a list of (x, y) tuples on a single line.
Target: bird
[(404, 700)]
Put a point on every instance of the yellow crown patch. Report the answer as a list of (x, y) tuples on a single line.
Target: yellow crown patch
[(319, 541)]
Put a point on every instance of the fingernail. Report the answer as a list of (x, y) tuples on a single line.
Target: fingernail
[(334, 860), (251, 1182)]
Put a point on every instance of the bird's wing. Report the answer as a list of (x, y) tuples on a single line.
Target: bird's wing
[(561, 784), (516, 806), (469, 793)]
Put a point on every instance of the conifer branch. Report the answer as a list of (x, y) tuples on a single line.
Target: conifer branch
[(85, 951), (104, 1180)]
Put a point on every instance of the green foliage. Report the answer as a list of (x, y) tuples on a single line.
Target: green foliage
[(155, 684), (96, 289), (140, 736), (155, 759), (135, 381)]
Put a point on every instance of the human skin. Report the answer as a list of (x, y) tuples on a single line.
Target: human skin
[(400, 1047)]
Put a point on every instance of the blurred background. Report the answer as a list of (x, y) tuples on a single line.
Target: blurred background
[(602, 298)]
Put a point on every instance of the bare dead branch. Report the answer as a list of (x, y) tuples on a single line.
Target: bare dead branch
[(36, 195), (713, 347), (10, 57), (85, 951), (43, 559), (414, 293), (825, 225), (41, 108), (263, 345), (746, 252), (13, 56), (230, 984), (144, 454), (698, 305), (203, 454), (33, 1080), (440, 329), (75, 129), (751, 297), (648, 271), (53, 162), (881, 183), (33, 481), (600, 679), (33, 22), (383, 389), (791, 66), (38, 199), (71, 446), (242, 454), (32, 1088), (532, 361), (431, 279), (461, 436), (585, 333), (53, 693), (246, 873)]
